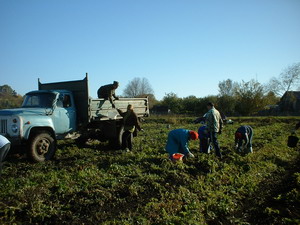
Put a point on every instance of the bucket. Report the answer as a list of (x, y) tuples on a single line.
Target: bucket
[(292, 141), (177, 157)]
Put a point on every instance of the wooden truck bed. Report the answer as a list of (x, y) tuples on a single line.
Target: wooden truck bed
[(102, 110)]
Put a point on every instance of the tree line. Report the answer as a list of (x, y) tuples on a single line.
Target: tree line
[(9, 97), (234, 99)]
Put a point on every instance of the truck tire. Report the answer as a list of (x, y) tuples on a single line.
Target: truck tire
[(42, 147), (116, 143)]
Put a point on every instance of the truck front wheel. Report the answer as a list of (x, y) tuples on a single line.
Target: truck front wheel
[(42, 147)]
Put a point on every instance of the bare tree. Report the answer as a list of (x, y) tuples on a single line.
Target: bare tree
[(137, 87), (291, 76), (287, 80), (227, 87), (274, 86), (250, 97)]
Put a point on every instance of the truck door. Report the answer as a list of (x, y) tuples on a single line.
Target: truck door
[(65, 115)]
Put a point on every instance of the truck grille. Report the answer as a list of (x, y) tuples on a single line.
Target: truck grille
[(3, 126)]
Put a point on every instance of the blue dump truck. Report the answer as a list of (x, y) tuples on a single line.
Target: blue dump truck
[(63, 110)]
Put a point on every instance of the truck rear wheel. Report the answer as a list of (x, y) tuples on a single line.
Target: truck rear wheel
[(116, 142), (42, 147)]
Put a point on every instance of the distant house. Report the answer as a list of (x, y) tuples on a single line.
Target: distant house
[(290, 102), (160, 109)]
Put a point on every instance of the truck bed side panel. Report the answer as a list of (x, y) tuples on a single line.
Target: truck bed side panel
[(101, 109)]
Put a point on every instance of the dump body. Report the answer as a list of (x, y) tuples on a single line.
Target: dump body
[(99, 109)]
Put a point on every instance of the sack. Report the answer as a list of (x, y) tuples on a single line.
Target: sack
[(292, 141)]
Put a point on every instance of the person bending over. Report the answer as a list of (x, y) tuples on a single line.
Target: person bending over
[(178, 141), (243, 139)]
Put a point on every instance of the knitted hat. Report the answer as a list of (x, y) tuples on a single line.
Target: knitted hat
[(238, 135), (193, 135)]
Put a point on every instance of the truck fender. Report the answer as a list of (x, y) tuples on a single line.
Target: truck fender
[(41, 124), (34, 129)]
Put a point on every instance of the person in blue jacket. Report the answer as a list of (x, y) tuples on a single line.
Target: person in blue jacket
[(204, 139), (4, 148), (178, 141), (243, 139)]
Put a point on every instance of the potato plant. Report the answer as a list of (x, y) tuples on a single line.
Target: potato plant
[(98, 185)]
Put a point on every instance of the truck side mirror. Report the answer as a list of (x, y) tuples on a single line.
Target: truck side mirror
[(59, 101)]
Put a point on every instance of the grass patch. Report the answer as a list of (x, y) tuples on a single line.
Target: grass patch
[(97, 185)]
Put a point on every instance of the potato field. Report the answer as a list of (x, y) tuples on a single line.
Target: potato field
[(94, 184)]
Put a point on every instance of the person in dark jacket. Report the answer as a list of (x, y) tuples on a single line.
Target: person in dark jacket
[(204, 139), (4, 149), (131, 123), (108, 91), (243, 139), (178, 140)]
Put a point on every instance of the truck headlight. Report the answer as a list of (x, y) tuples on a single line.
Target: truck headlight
[(14, 128)]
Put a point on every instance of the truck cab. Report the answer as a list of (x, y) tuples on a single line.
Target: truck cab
[(44, 117), (57, 105)]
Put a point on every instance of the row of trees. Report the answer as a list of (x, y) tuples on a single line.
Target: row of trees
[(9, 98), (245, 98), (234, 98)]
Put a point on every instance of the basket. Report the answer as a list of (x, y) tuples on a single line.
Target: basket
[(292, 141), (177, 157)]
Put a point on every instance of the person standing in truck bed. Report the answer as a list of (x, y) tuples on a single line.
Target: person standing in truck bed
[(108, 91)]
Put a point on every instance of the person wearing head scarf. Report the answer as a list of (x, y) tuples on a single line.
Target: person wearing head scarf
[(243, 139), (108, 91), (178, 141), (131, 123)]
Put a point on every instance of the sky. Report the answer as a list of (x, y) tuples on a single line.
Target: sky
[(181, 46)]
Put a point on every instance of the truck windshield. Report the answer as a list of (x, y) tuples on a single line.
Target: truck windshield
[(39, 100)]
